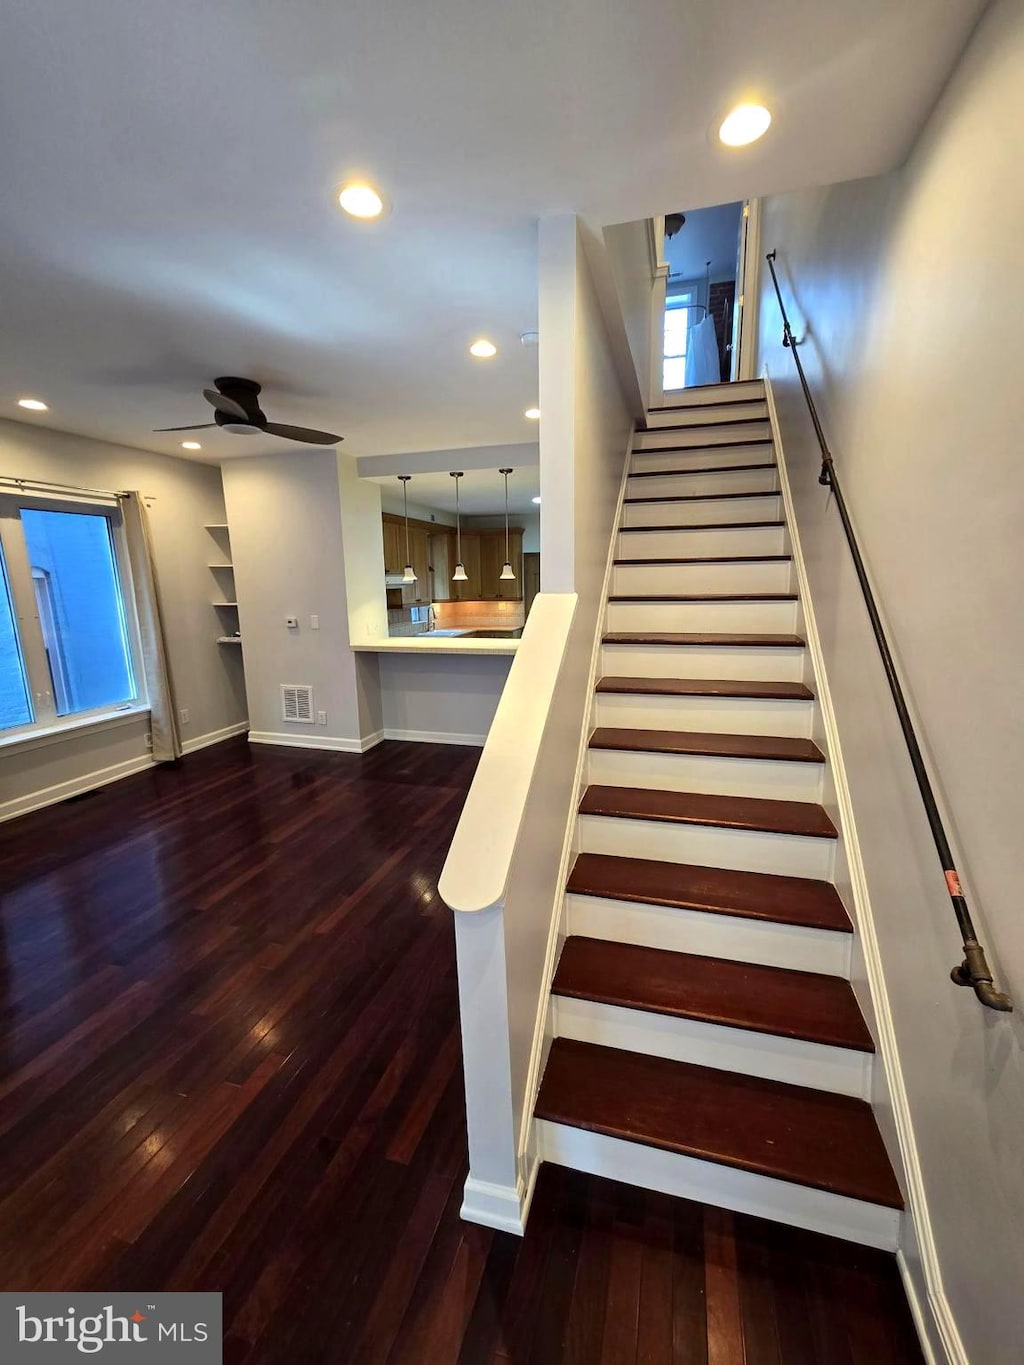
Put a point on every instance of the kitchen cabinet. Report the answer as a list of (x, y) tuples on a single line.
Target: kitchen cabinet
[(394, 546), (418, 593), (469, 591), (442, 562), (492, 560)]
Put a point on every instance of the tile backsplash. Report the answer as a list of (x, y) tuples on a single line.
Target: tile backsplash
[(455, 616)]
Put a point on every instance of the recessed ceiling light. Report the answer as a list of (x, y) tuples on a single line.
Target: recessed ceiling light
[(33, 404), (483, 348), (191, 445), (536, 499), (533, 414), (361, 201), (745, 124)]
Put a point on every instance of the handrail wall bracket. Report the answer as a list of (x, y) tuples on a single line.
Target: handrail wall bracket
[(974, 970)]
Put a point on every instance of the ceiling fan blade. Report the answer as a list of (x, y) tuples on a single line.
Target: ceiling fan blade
[(224, 404), (307, 434), (196, 426)]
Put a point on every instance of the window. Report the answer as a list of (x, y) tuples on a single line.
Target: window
[(677, 325), (65, 634)]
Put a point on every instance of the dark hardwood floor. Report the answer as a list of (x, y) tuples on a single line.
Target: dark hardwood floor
[(229, 1060)]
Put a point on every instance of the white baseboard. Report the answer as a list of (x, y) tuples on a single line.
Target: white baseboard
[(500, 1206), (331, 743), (190, 746), (932, 1313), (62, 791), (435, 737)]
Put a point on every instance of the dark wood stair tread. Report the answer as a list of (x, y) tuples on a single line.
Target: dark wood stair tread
[(706, 525), (808, 1137), (711, 469), (710, 559), (709, 497), (713, 640), (743, 995), (760, 813), (703, 597), (708, 687), (776, 747), (764, 896)]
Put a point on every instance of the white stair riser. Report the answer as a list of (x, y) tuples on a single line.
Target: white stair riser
[(733, 434), (709, 935), (723, 1186), (705, 395), (715, 776), (696, 513), (719, 715), (755, 540), (644, 461), (772, 617), (702, 661), (696, 578), (790, 855), (673, 485), (708, 412), (840, 1070)]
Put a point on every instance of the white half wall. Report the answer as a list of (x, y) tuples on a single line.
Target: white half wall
[(441, 698), (909, 293), (183, 496)]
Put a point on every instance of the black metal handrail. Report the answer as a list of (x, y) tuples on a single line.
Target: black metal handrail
[(974, 970)]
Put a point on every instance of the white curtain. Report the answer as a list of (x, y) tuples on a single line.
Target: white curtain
[(703, 365), (155, 662)]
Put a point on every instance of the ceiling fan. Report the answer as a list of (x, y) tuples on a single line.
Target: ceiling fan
[(236, 409)]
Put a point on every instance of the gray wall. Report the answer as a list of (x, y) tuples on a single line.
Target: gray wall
[(182, 496), (910, 291), (450, 698)]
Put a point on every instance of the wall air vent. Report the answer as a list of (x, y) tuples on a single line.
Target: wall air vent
[(297, 703)]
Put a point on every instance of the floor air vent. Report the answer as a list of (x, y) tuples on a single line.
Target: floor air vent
[(297, 703)]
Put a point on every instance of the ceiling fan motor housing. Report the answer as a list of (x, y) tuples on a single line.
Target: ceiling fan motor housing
[(245, 393)]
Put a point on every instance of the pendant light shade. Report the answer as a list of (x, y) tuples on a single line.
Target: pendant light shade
[(507, 571), (460, 575), (409, 573)]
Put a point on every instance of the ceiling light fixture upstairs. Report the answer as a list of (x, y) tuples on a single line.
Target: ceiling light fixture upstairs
[(361, 200), (745, 124), (460, 575), (191, 445), (33, 404), (409, 573), (483, 350), (507, 571), (533, 414), (536, 499)]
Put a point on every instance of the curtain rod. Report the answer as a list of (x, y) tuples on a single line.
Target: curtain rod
[(67, 487)]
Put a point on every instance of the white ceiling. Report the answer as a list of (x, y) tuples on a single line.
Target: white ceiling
[(166, 213), (707, 235)]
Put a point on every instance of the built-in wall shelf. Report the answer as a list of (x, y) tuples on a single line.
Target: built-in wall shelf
[(221, 545), (220, 566), (216, 526), (229, 639), (225, 604)]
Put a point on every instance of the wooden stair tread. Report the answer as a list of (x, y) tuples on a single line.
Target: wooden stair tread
[(708, 497), (703, 597), (711, 559), (764, 896), (713, 469), (808, 1137), (721, 639), (804, 818), (707, 687), (776, 747), (743, 995), (706, 526)]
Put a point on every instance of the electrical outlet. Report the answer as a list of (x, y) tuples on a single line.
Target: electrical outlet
[(149, 740), (314, 622), (183, 713), (321, 718)]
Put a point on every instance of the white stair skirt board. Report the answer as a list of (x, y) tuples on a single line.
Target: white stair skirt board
[(818, 1066), (645, 462), (704, 395), (499, 1206), (763, 664), (683, 485), (741, 850), (730, 434), (698, 578), (707, 1182), (709, 412), (713, 775), (710, 935), (714, 715), (691, 543), (771, 617), (737, 510)]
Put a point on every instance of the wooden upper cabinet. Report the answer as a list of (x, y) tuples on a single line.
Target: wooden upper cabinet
[(418, 593), (492, 560), (469, 591), (394, 546), (442, 562)]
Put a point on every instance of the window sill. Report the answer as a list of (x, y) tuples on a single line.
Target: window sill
[(53, 734)]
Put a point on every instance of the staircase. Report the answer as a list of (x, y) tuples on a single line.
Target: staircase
[(707, 1042)]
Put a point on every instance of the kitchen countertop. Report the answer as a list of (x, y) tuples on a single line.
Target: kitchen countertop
[(436, 644)]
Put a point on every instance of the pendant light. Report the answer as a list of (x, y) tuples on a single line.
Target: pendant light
[(409, 575), (460, 575), (507, 570)]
